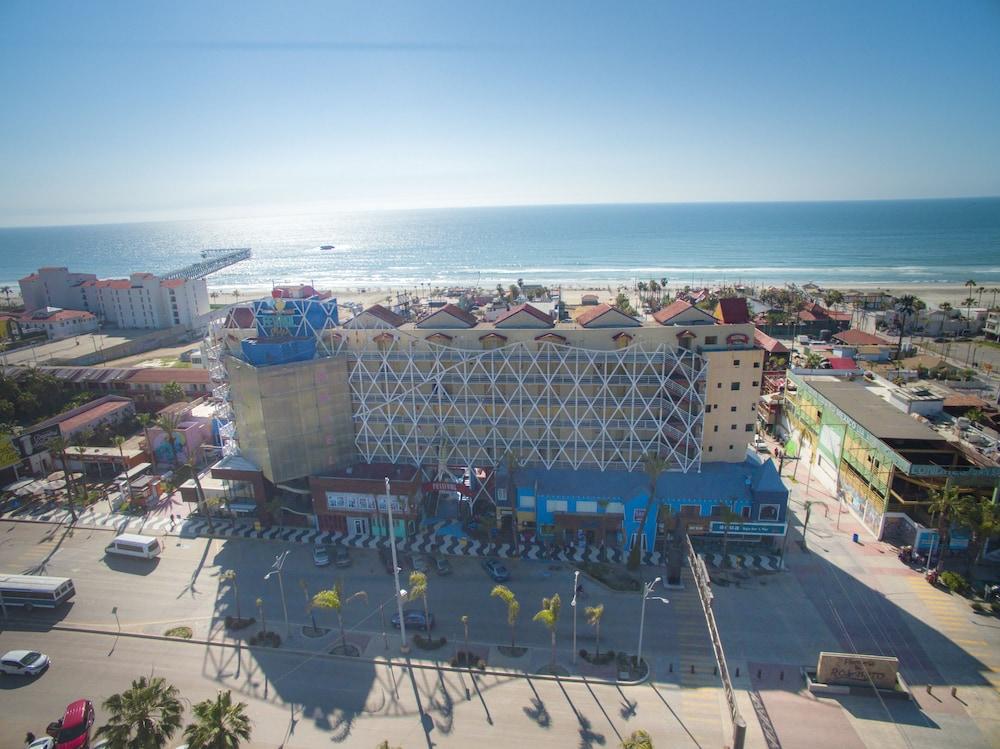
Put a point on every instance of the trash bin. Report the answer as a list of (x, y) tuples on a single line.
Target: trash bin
[(854, 537)]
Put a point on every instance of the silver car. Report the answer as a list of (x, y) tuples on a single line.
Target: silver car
[(421, 563), (24, 662)]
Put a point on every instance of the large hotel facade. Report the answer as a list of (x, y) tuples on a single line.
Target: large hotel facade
[(499, 410)]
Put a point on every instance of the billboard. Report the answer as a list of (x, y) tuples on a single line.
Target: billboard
[(754, 529)]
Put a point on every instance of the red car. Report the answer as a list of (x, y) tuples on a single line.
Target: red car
[(72, 731)]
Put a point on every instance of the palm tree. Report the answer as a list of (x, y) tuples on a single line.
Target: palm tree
[(808, 504), (513, 606), (549, 616), (219, 724), (58, 446), (144, 716), (982, 518), (594, 615), (905, 307), (653, 465), (641, 286), (80, 451), (202, 502), (6, 291), (418, 589), (637, 740), (230, 577), (970, 285), (119, 443), (168, 424), (813, 360), (994, 291), (144, 421), (728, 517), (334, 600), (945, 503)]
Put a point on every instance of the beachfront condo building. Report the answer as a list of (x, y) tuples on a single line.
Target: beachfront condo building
[(474, 405), (143, 300)]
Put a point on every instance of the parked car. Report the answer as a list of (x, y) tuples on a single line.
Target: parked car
[(24, 662), (442, 566), (72, 731), (761, 446), (421, 563), (495, 569), (342, 557), (385, 556), (415, 619), (321, 556)]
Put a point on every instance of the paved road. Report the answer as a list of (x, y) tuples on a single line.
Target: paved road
[(298, 701)]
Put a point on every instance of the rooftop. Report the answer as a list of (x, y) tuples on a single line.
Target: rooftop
[(877, 416), (163, 375), (855, 337)]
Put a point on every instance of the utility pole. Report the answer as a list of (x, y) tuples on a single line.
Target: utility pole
[(279, 562), (403, 647)]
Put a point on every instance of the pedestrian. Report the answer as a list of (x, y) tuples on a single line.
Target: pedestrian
[(172, 521), (29, 737)]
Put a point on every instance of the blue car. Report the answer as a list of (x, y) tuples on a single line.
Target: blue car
[(495, 569), (415, 619)]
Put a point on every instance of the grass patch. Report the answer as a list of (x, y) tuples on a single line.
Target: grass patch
[(266, 639), (184, 633), (614, 576), (345, 648), (429, 643)]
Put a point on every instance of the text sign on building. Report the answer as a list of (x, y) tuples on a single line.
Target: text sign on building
[(857, 670), (358, 502), (756, 529), (447, 486)]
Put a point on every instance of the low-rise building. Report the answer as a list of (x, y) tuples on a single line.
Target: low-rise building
[(109, 410), (58, 323), (352, 501), (145, 385)]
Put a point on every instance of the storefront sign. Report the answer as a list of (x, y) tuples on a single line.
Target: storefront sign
[(38, 441), (359, 502), (754, 529), (638, 514), (857, 670), (447, 486)]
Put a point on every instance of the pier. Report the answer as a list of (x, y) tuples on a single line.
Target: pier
[(212, 261)]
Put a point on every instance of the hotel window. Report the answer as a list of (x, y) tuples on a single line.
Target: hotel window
[(748, 428), (756, 383), (732, 427), (732, 409), (556, 505), (715, 428), (710, 448), (768, 512), (734, 386), (730, 447), (756, 365), (586, 507), (711, 340), (736, 362), (526, 501)]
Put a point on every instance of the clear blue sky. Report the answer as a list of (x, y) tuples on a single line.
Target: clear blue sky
[(134, 110)]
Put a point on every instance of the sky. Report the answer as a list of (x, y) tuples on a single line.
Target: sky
[(136, 111)]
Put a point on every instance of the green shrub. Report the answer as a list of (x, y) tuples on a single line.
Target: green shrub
[(954, 582)]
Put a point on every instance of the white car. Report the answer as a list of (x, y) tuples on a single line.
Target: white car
[(24, 662), (47, 742)]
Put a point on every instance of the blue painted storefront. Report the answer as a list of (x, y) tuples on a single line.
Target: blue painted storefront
[(558, 499)]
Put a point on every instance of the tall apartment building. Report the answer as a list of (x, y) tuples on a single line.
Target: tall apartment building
[(453, 396), (143, 300)]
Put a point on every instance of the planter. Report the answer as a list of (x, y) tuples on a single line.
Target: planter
[(232, 623), (429, 643), (512, 651), (266, 639)]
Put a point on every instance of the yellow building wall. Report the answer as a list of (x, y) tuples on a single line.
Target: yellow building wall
[(731, 415)]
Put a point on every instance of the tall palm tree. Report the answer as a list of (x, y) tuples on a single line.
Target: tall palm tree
[(120, 444), (905, 307), (202, 502), (968, 302), (333, 600), (594, 615), (219, 724), (549, 616), (168, 424), (80, 451), (813, 360), (970, 285), (653, 465), (982, 518), (145, 420), (513, 606), (6, 291), (418, 589), (945, 503), (58, 445), (994, 291), (637, 740), (230, 577), (144, 716), (728, 517)]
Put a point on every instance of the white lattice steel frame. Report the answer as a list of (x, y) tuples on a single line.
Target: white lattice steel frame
[(420, 405)]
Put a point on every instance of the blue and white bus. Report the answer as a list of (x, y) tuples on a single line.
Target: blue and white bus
[(35, 591)]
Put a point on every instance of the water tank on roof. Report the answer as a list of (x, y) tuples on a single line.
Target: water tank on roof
[(962, 423)]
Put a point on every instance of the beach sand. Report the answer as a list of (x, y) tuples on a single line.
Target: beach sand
[(933, 295)]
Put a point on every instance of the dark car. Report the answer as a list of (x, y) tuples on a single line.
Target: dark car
[(72, 731), (341, 557), (415, 619), (385, 556), (442, 566), (495, 569)]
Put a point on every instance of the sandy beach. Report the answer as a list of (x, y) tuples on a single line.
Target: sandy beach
[(933, 295)]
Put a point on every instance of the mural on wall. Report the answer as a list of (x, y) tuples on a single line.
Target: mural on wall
[(165, 452)]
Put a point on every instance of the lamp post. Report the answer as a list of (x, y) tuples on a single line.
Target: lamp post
[(403, 647), (279, 562), (647, 589), (576, 585)]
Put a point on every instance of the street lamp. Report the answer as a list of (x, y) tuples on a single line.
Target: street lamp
[(576, 585), (279, 562), (647, 589), (403, 647)]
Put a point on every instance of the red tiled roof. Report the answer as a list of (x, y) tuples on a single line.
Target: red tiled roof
[(239, 317), (732, 311), (621, 334), (116, 283), (842, 362), (63, 314), (173, 283), (458, 313), (591, 315), (101, 410), (685, 333), (769, 344), (491, 334), (533, 311), (163, 375), (855, 337), (439, 334), (671, 310), (807, 316), (385, 315), (842, 316), (550, 337), (964, 401), (31, 277)]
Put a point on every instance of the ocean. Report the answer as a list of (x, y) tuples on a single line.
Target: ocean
[(885, 242)]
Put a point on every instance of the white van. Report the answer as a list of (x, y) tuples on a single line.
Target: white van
[(133, 545)]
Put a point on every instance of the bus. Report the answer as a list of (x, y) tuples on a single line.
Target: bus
[(31, 591)]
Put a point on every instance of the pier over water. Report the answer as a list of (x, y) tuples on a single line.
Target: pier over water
[(212, 261)]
